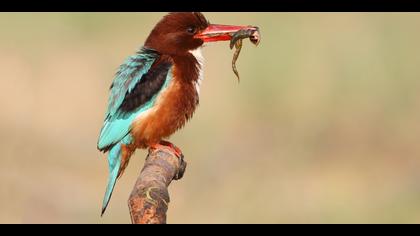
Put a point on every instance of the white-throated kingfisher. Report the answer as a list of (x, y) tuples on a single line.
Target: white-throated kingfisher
[(156, 90)]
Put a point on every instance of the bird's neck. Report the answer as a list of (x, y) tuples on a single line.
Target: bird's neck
[(188, 66)]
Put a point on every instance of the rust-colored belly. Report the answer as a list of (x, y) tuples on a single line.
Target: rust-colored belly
[(174, 106)]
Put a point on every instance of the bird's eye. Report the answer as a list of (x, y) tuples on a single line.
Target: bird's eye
[(191, 30)]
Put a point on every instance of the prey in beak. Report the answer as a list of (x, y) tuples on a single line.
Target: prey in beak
[(214, 32), (234, 34)]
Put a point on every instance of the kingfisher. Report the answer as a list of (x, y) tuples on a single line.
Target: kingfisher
[(156, 90)]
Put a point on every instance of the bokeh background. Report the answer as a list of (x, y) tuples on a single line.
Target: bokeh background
[(323, 127)]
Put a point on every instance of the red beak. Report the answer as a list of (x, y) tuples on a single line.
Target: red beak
[(215, 33)]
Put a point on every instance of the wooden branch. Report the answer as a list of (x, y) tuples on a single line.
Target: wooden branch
[(148, 202)]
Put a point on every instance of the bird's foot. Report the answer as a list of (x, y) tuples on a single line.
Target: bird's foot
[(176, 149), (171, 146)]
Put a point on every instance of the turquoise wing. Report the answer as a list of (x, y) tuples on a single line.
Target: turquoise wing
[(133, 91)]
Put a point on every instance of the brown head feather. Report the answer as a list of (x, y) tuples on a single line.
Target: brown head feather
[(174, 33)]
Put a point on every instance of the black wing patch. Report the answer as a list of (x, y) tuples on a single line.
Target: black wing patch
[(149, 85)]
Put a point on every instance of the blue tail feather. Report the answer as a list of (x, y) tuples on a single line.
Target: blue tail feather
[(114, 161)]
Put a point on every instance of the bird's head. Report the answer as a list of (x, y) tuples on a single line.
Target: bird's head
[(180, 32)]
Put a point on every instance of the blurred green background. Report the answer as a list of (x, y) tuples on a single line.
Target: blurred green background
[(323, 127)]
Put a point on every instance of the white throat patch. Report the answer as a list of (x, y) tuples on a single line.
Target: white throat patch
[(197, 53)]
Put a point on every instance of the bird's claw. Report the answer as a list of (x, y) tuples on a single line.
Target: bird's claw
[(168, 145)]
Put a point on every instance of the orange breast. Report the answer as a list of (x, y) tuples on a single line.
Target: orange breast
[(173, 107)]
